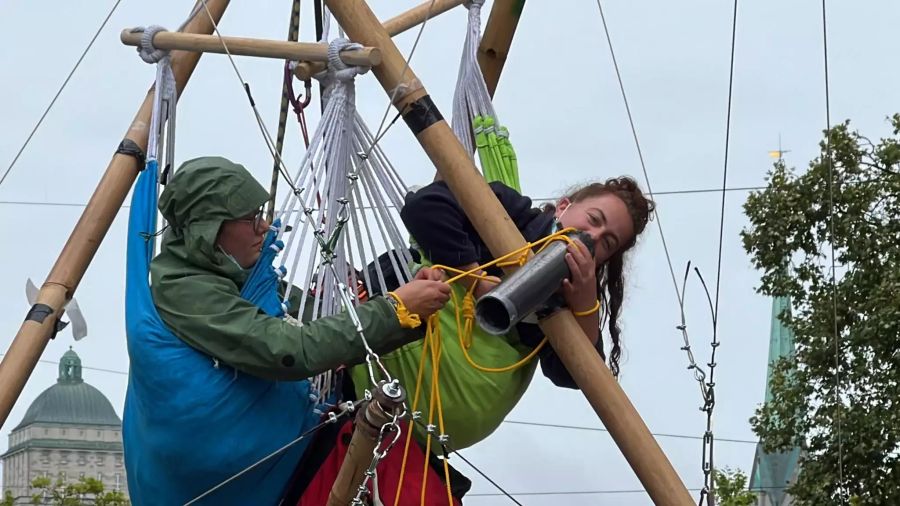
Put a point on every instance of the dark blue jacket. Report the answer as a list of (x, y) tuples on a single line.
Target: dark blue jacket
[(445, 235)]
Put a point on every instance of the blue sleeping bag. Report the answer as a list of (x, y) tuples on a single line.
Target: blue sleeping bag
[(189, 425)]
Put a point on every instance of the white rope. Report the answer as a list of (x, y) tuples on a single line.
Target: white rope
[(471, 97), (147, 51), (165, 96), (323, 174), (347, 197)]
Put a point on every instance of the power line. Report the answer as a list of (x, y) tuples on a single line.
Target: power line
[(47, 203), (571, 492), (708, 462), (58, 92), (100, 369), (637, 145), (595, 492), (837, 348), (691, 191), (599, 429), (510, 422), (447, 448)]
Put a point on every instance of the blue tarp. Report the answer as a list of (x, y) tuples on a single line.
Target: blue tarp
[(189, 425)]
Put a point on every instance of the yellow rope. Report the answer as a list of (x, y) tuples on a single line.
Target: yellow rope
[(432, 343), (468, 303), (407, 320), (466, 337), (415, 404), (435, 401)]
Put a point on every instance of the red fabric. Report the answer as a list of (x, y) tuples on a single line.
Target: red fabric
[(388, 474)]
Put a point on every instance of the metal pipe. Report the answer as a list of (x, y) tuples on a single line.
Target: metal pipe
[(526, 290)]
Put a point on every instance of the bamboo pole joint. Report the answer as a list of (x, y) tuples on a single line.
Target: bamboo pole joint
[(394, 26), (242, 46)]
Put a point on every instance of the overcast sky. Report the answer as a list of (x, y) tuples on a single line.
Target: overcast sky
[(560, 100)]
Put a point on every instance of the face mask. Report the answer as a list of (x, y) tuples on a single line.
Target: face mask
[(228, 256), (557, 226)]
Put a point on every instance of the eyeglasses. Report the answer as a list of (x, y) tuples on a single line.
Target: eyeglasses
[(256, 220)]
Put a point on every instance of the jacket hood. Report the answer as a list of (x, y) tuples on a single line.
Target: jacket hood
[(204, 193)]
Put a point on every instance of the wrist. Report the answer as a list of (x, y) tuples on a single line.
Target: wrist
[(392, 301), (585, 310), (407, 320)]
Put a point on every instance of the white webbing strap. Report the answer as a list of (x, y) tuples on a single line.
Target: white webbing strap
[(350, 195), (162, 118), (471, 97)]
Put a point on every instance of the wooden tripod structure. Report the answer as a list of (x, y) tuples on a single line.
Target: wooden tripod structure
[(454, 165)]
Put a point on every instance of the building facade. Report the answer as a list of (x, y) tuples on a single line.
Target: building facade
[(70, 431)]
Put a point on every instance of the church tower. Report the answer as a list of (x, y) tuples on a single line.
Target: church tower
[(773, 472)]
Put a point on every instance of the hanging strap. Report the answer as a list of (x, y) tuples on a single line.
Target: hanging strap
[(162, 119), (475, 121)]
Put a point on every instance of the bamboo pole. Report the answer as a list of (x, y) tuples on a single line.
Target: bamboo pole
[(73, 261), (353, 468), (495, 227), (615, 410), (394, 26), (293, 36), (418, 14), (387, 400), (242, 46), (497, 39)]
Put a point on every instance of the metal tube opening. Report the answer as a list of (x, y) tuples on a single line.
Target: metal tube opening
[(494, 315)]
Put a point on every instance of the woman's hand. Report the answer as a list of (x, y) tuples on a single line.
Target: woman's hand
[(580, 289), (430, 274), (485, 285), (425, 294)]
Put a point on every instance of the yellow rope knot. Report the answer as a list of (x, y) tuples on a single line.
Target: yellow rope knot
[(468, 307), (407, 320), (519, 261), (468, 314)]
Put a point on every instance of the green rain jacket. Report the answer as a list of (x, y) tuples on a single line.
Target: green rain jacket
[(196, 287)]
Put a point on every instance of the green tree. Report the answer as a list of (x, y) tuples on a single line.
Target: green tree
[(84, 492), (851, 441), (8, 499), (731, 488)]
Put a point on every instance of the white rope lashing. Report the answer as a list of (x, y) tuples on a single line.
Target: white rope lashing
[(347, 196), (162, 118), (471, 97), (342, 188), (165, 97)]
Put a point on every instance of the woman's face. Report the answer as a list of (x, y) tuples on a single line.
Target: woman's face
[(604, 217), (243, 238)]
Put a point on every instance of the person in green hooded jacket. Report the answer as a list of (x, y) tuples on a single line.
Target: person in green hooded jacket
[(213, 208)]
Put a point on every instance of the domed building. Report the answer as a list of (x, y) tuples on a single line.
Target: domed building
[(70, 431)]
